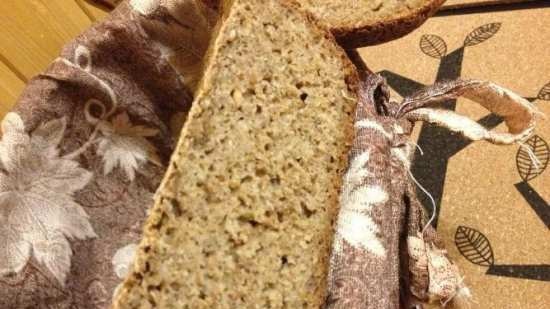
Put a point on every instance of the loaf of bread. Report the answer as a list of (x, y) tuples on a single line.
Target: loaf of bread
[(244, 215), (354, 23)]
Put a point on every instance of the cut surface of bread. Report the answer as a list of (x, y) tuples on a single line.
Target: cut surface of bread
[(243, 218), (359, 23)]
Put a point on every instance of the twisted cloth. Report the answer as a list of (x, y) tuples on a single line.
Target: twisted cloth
[(385, 254)]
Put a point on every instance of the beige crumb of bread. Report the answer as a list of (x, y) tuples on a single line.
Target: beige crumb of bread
[(243, 218)]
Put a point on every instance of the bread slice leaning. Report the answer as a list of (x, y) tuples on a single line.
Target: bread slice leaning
[(243, 218)]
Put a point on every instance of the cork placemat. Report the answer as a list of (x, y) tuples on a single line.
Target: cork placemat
[(493, 201), (454, 4)]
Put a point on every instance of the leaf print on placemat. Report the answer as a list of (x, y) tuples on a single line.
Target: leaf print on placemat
[(474, 246), (37, 208), (481, 34), (124, 145), (544, 93), (433, 46), (532, 158)]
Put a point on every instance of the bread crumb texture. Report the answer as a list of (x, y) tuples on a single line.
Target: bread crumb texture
[(243, 218), (358, 13)]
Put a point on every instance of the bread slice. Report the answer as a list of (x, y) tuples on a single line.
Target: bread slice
[(357, 23), (243, 218)]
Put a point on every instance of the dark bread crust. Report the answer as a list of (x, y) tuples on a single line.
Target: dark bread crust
[(385, 30)]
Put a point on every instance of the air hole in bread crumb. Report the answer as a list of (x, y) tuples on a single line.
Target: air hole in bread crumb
[(163, 219), (241, 201), (275, 180), (176, 207), (202, 295), (169, 231), (138, 276), (252, 222), (284, 260), (261, 172), (174, 286), (246, 179), (299, 85), (249, 92), (303, 96), (280, 216), (154, 288), (258, 109), (307, 212)]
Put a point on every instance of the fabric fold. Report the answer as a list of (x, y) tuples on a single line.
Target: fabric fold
[(385, 252)]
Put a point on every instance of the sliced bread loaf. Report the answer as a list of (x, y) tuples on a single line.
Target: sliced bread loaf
[(243, 218)]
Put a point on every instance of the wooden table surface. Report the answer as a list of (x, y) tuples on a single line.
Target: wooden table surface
[(32, 33)]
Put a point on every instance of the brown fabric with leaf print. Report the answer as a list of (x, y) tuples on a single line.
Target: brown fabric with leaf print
[(81, 155), (385, 254)]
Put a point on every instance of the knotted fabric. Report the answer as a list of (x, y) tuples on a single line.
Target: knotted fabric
[(384, 253)]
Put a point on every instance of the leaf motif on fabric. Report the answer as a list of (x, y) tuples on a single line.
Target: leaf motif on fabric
[(124, 145), (355, 223), (123, 259), (83, 58), (97, 294), (38, 213), (145, 7), (532, 158), (474, 246), (481, 34), (445, 281), (544, 93), (433, 46), (418, 266)]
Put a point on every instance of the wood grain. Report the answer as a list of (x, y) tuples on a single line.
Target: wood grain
[(10, 87), (32, 33), (94, 12)]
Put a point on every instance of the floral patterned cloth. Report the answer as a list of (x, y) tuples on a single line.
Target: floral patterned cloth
[(80, 157)]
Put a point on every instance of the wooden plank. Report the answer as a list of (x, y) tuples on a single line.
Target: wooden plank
[(94, 12), (33, 31), (10, 88)]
